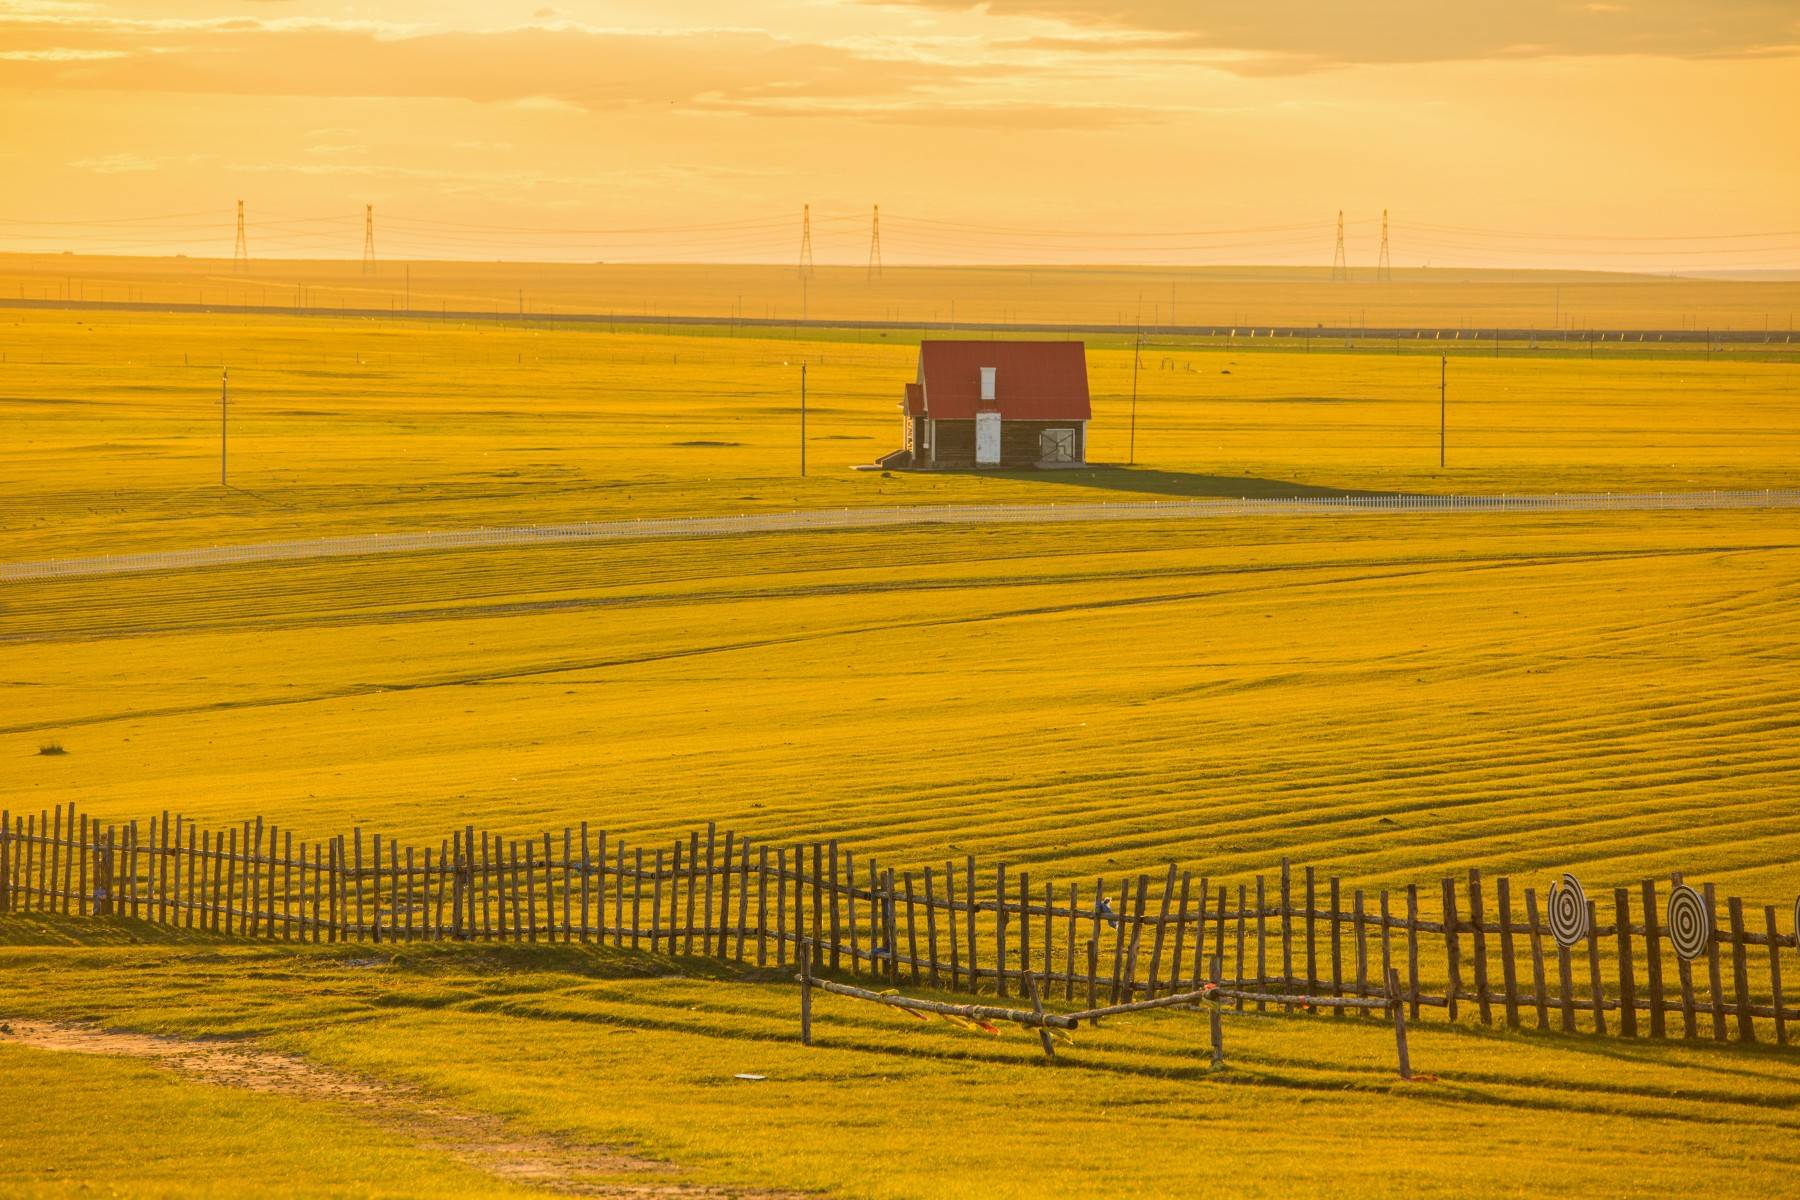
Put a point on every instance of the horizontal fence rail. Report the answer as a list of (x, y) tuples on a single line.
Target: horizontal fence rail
[(896, 516), (1647, 960)]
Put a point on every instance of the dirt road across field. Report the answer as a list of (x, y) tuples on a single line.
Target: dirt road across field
[(897, 516), (480, 1140)]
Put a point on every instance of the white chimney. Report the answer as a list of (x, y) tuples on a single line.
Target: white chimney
[(987, 383)]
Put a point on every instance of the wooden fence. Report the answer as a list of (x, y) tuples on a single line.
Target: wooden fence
[(1475, 947)]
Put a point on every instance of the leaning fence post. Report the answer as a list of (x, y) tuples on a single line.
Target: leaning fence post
[(805, 992), (1398, 1009)]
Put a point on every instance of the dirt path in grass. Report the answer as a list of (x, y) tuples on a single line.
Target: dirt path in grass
[(480, 1140), (656, 528)]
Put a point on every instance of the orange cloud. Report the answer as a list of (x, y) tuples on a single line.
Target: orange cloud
[(1277, 35), (592, 70)]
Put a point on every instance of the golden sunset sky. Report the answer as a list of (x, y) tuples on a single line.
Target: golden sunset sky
[(1640, 134)]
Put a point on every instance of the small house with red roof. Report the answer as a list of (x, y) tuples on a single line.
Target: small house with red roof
[(998, 404)]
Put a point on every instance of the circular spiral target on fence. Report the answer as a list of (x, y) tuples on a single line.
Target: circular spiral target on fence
[(1689, 925), (1568, 911)]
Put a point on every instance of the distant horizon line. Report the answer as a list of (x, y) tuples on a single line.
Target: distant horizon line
[(1738, 273)]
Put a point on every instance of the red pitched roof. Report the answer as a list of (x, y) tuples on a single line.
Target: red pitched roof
[(915, 400), (1033, 381)]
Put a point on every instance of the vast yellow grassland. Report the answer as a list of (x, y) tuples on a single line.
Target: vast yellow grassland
[(368, 426), (1387, 696), (1245, 297)]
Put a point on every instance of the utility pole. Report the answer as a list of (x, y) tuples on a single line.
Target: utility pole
[(1340, 265), (240, 250), (803, 420), (1137, 353), (368, 263), (224, 405), (806, 254), (1443, 405), (1384, 266), (875, 246)]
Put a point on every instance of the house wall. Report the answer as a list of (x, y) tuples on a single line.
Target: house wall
[(1018, 442)]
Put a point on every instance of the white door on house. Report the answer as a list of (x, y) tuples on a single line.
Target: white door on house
[(987, 439)]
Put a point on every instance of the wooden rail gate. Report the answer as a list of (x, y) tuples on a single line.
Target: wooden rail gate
[(1649, 960)]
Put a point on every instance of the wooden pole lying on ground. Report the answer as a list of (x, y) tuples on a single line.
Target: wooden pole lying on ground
[(973, 1012)]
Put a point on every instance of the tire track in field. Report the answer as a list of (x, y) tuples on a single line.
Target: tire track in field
[(1361, 575), (69, 617)]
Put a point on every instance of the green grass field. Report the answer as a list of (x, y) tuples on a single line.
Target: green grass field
[(1389, 697), (639, 1054)]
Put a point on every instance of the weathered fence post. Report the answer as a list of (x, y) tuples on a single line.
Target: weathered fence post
[(1162, 924), (1715, 984), (1337, 947), (1398, 1010), (1653, 976), (1740, 972), (1215, 1017), (1628, 1026), (805, 957), (1596, 984), (1478, 934), (1412, 947), (1775, 974), (1287, 924), (1452, 950), (1312, 949), (1509, 970), (1000, 930)]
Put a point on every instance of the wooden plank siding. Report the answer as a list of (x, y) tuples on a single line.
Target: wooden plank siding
[(953, 443)]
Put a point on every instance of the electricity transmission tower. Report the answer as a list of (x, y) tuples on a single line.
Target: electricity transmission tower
[(875, 246), (806, 257), (240, 252), (1384, 267), (368, 266), (1340, 266)]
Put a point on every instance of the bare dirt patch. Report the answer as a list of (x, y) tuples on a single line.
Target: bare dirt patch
[(478, 1139)]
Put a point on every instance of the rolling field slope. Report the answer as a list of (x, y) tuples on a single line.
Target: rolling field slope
[(1384, 695)]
